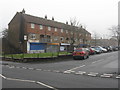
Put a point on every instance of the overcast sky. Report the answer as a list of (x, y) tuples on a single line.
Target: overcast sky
[(96, 15)]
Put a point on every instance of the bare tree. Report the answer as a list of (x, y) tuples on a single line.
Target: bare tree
[(5, 33), (95, 37), (74, 29), (116, 33)]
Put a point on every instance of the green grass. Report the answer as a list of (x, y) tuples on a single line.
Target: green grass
[(36, 55)]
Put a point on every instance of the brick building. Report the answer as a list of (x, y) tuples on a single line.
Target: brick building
[(32, 34)]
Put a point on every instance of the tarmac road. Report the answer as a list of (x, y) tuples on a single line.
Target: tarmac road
[(99, 71)]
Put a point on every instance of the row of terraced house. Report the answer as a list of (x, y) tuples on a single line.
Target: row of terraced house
[(31, 34)]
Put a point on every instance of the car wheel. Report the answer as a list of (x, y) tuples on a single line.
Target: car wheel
[(84, 57), (74, 58), (88, 56)]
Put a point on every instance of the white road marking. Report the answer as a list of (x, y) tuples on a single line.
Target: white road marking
[(66, 72), (17, 67), (80, 72), (56, 71), (46, 85), (39, 69), (31, 81), (24, 67), (92, 74), (97, 61), (11, 66), (107, 75), (75, 68), (31, 68), (118, 77), (20, 80), (2, 76)]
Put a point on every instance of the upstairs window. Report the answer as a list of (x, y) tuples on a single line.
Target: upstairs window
[(32, 25), (71, 32), (49, 28), (32, 36), (66, 31), (62, 30), (55, 29), (41, 27)]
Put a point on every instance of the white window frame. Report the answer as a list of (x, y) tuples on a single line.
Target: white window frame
[(32, 25), (49, 28), (61, 30), (55, 38), (41, 27), (71, 32), (32, 36), (66, 31), (55, 29), (62, 38)]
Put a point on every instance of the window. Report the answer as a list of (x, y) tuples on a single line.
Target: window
[(49, 28), (32, 36), (55, 29), (62, 30), (32, 25), (55, 38), (61, 38), (41, 27), (66, 31)]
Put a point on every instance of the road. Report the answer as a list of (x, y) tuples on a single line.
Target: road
[(98, 71)]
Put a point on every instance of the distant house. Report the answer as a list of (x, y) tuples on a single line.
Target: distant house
[(31, 34)]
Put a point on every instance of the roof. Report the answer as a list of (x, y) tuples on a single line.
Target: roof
[(38, 20), (43, 21)]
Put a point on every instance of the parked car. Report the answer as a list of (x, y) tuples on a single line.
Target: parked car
[(81, 53), (92, 51), (107, 48), (97, 50), (103, 49), (115, 48)]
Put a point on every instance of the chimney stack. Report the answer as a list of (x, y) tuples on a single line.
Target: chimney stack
[(45, 16), (53, 18), (66, 22), (23, 11)]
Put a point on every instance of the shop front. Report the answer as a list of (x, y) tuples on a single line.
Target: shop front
[(64, 47)]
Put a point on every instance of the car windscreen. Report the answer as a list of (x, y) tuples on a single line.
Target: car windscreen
[(78, 50)]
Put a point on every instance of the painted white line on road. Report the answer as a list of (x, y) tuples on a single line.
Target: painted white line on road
[(92, 74), (39, 69), (20, 80), (66, 72), (24, 67), (2, 76), (107, 75), (31, 81), (11, 66), (46, 70), (56, 71), (80, 72), (75, 68), (97, 61), (17, 67), (118, 77), (31, 68), (46, 85)]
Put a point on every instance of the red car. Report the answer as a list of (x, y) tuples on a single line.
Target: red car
[(81, 53), (92, 51)]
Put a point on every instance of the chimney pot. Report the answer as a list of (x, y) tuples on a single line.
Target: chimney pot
[(53, 18), (45, 16), (67, 22)]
